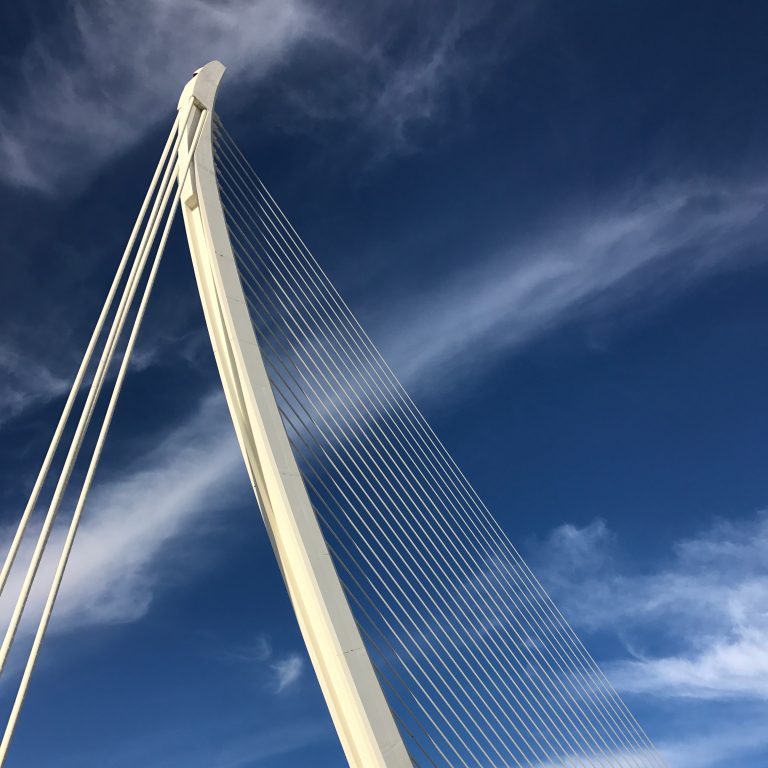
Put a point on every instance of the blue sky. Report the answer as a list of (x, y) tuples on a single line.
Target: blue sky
[(552, 219)]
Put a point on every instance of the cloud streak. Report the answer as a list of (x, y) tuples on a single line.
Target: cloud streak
[(658, 244), (668, 240), (234, 741), (133, 518)]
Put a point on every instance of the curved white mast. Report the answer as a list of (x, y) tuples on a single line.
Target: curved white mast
[(360, 712)]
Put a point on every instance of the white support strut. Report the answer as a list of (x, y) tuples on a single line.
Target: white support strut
[(364, 722)]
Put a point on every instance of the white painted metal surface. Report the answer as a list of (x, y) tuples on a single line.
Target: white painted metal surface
[(360, 712)]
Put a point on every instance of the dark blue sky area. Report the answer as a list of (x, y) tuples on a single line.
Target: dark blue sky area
[(552, 218)]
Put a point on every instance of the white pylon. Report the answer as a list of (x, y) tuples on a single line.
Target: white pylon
[(360, 712)]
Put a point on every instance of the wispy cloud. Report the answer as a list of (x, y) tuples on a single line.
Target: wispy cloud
[(263, 746), (232, 741), (696, 627), (92, 87), (433, 71), (260, 651), (730, 743), (638, 758), (25, 382), (133, 519), (652, 245), (34, 373), (287, 671)]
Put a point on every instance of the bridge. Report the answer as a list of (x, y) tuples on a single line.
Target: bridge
[(433, 642)]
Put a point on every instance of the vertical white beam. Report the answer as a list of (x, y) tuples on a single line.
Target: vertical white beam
[(360, 712)]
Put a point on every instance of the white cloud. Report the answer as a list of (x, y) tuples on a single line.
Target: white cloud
[(411, 91), (287, 672), (91, 87), (704, 612), (262, 648), (284, 669), (655, 245), (730, 744), (121, 69), (25, 382), (33, 372), (638, 758), (132, 519), (729, 667)]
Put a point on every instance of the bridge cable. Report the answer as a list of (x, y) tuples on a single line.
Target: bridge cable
[(88, 408), (390, 488), (302, 342), (267, 194), (174, 175), (613, 699), (481, 649), (590, 684), (80, 376), (517, 649)]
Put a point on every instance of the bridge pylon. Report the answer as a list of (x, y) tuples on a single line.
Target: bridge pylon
[(360, 712)]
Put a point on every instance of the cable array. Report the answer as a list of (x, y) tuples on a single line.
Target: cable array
[(479, 666), (155, 218)]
